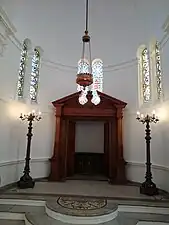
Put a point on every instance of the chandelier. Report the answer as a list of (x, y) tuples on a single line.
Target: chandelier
[(84, 76)]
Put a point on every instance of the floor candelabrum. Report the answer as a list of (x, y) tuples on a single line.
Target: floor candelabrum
[(148, 187), (26, 180)]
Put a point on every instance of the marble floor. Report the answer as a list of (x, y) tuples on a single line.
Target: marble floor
[(77, 198), (84, 188)]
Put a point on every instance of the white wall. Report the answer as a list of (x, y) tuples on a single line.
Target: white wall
[(57, 81), (13, 131), (89, 137), (13, 143), (134, 147)]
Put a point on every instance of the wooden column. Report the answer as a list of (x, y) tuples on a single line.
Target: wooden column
[(106, 148), (112, 150), (121, 176), (71, 149), (55, 172), (64, 149)]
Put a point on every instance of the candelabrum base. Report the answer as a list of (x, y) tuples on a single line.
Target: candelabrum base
[(148, 188), (25, 182)]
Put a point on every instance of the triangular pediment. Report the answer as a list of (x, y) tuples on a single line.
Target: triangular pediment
[(73, 98)]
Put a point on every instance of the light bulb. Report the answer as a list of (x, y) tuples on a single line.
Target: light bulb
[(142, 116)]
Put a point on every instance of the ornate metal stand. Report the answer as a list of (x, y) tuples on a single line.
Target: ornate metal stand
[(148, 187), (26, 180)]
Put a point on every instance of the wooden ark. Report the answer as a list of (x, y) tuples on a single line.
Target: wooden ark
[(68, 112)]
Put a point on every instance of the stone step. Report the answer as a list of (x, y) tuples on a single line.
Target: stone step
[(41, 219), (78, 210), (11, 222), (21, 208)]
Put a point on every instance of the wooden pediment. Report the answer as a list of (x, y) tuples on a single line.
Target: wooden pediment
[(70, 106), (106, 100)]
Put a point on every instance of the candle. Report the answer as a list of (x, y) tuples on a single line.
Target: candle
[(142, 116), (153, 113), (138, 114)]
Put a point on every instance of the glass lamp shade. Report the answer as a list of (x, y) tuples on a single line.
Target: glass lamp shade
[(84, 79), (83, 99), (96, 98)]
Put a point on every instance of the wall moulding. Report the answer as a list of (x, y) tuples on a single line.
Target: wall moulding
[(7, 30), (10, 171), (139, 164), (14, 162), (46, 160), (136, 173)]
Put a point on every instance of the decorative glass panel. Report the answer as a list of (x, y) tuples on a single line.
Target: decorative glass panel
[(97, 71), (83, 97), (22, 70), (83, 67), (96, 98), (35, 76), (158, 72), (146, 80)]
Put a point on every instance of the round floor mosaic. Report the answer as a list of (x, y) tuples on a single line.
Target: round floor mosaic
[(81, 203)]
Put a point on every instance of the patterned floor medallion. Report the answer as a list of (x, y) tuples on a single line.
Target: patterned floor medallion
[(81, 203)]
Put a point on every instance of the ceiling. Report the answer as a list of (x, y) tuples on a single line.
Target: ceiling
[(117, 27)]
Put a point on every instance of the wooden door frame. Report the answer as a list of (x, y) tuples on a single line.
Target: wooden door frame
[(116, 173), (109, 110)]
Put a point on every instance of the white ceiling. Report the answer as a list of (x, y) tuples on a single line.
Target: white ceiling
[(117, 27)]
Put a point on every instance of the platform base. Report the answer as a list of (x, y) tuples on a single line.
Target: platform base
[(148, 188), (25, 182)]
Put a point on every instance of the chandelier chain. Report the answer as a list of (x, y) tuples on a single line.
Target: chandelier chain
[(87, 9)]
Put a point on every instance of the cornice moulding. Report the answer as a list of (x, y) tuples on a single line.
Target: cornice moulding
[(165, 26), (7, 24), (7, 30)]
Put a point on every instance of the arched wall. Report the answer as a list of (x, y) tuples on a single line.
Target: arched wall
[(55, 82)]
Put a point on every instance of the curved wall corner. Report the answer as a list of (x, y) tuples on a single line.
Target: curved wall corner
[(11, 171), (136, 173)]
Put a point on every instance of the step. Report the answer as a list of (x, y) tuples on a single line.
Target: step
[(81, 210), (46, 220), (40, 219), (11, 222), (76, 210)]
